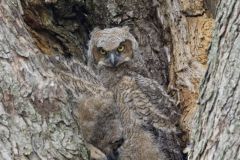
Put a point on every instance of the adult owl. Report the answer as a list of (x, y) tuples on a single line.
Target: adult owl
[(148, 115)]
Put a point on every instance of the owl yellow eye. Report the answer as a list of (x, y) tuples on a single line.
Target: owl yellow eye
[(120, 48), (102, 51)]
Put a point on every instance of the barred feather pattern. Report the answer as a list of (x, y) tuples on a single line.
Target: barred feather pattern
[(149, 117)]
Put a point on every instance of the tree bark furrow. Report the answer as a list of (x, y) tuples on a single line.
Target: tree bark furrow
[(35, 115), (216, 132)]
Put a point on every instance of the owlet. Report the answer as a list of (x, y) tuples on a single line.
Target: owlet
[(148, 114)]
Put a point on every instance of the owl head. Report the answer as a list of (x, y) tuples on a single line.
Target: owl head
[(111, 47)]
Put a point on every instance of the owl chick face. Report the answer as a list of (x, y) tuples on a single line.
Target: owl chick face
[(113, 57), (111, 47)]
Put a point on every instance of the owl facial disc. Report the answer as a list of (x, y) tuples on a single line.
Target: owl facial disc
[(111, 47)]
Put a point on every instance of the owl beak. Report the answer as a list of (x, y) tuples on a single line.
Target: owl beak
[(113, 59)]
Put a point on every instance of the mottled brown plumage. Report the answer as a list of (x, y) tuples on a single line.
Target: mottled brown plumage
[(100, 126), (148, 115)]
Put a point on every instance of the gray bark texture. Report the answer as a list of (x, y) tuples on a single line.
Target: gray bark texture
[(216, 126), (38, 93)]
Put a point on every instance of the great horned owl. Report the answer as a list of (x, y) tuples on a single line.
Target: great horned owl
[(111, 52), (148, 115)]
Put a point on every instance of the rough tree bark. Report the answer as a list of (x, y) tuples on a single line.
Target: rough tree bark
[(38, 94), (217, 125), (173, 36)]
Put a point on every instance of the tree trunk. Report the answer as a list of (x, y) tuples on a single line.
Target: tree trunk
[(37, 99), (217, 125), (191, 30), (38, 94)]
